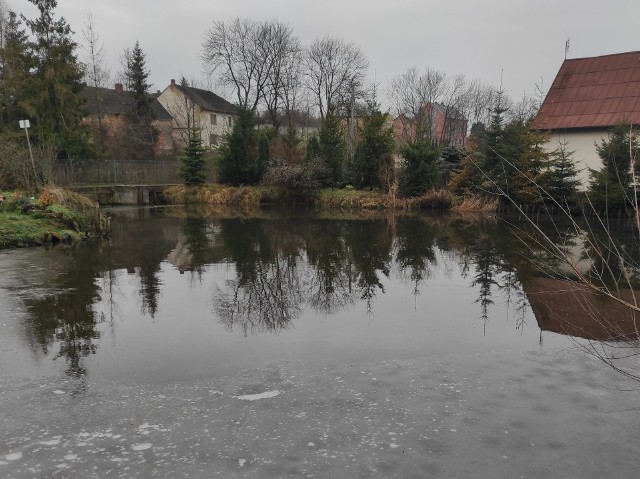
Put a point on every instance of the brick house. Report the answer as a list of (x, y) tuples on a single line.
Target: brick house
[(106, 111), (442, 124)]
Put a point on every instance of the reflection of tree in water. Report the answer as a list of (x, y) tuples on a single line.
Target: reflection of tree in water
[(499, 261), (330, 284), (67, 317), (415, 252), (370, 242), (266, 295)]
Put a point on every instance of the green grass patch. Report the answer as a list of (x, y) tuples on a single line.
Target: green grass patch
[(56, 215)]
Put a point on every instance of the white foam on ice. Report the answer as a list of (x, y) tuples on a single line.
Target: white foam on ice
[(255, 397)]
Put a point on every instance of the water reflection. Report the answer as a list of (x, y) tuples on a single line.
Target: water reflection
[(278, 266)]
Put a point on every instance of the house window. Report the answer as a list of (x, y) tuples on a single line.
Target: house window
[(214, 139), (214, 119), (230, 119)]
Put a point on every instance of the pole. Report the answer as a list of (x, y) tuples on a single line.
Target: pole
[(25, 125)]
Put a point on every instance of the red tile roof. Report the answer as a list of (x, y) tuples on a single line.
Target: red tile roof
[(593, 92)]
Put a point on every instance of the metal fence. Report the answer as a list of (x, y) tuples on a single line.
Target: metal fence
[(117, 172)]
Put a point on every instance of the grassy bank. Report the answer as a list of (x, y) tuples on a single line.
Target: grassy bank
[(54, 216), (347, 199)]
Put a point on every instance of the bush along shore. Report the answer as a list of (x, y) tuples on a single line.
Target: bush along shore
[(347, 199), (53, 216)]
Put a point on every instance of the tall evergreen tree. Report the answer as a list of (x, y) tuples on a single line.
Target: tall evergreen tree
[(192, 169), (610, 187), (333, 148), (140, 132), (562, 176), (530, 162), (491, 148), (137, 76), (374, 150), (420, 169), (14, 69), (239, 161), (54, 82)]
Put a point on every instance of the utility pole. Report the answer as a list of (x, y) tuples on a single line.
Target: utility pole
[(26, 125)]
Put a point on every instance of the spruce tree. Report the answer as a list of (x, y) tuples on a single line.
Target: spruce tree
[(14, 69), (52, 87), (137, 76), (374, 150), (610, 187), (140, 134), (239, 160), (192, 169), (530, 162), (333, 148), (562, 177), (420, 170)]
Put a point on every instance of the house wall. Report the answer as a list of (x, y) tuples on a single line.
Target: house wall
[(583, 144), (174, 102)]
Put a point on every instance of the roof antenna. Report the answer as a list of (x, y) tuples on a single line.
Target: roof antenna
[(566, 47)]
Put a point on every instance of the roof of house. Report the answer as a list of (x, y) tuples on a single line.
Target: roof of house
[(574, 309), (207, 100), (111, 102), (593, 92)]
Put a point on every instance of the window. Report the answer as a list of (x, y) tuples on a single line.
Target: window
[(214, 139), (230, 119), (214, 119)]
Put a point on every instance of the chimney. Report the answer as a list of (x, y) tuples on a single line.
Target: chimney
[(118, 88), (173, 82)]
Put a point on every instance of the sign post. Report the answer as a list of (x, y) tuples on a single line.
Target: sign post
[(26, 125)]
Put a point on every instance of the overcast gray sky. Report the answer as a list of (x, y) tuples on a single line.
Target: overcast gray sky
[(523, 40)]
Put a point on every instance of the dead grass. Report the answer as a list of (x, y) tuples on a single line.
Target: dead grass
[(476, 204), (214, 194), (347, 199), (69, 199)]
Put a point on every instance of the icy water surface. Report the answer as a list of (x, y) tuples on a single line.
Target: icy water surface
[(204, 345)]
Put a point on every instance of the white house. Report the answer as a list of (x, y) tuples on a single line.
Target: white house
[(202, 109), (586, 99)]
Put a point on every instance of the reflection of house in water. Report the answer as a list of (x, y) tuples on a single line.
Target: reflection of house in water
[(566, 307)]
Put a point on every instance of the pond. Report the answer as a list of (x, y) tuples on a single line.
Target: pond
[(293, 344)]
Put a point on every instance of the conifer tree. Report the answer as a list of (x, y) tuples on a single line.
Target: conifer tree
[(239, 160), (192, 169), (52, 86), (562, 176), (140, 133), (14, 68), (333, 148), (373, 151), (420, 170), (609, 187)]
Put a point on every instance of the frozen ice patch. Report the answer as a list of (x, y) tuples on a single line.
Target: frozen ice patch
[(52, 442), (14, 456), (141, 447), (58, 391), (255, 397), (241, 462), (393, 445), (71, 457)]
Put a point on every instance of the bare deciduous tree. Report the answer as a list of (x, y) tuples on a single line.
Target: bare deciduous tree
[(95, 72), (335, 71), (413, 96), (283, 52), (4, 21), (416, 96), (235, 50)]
